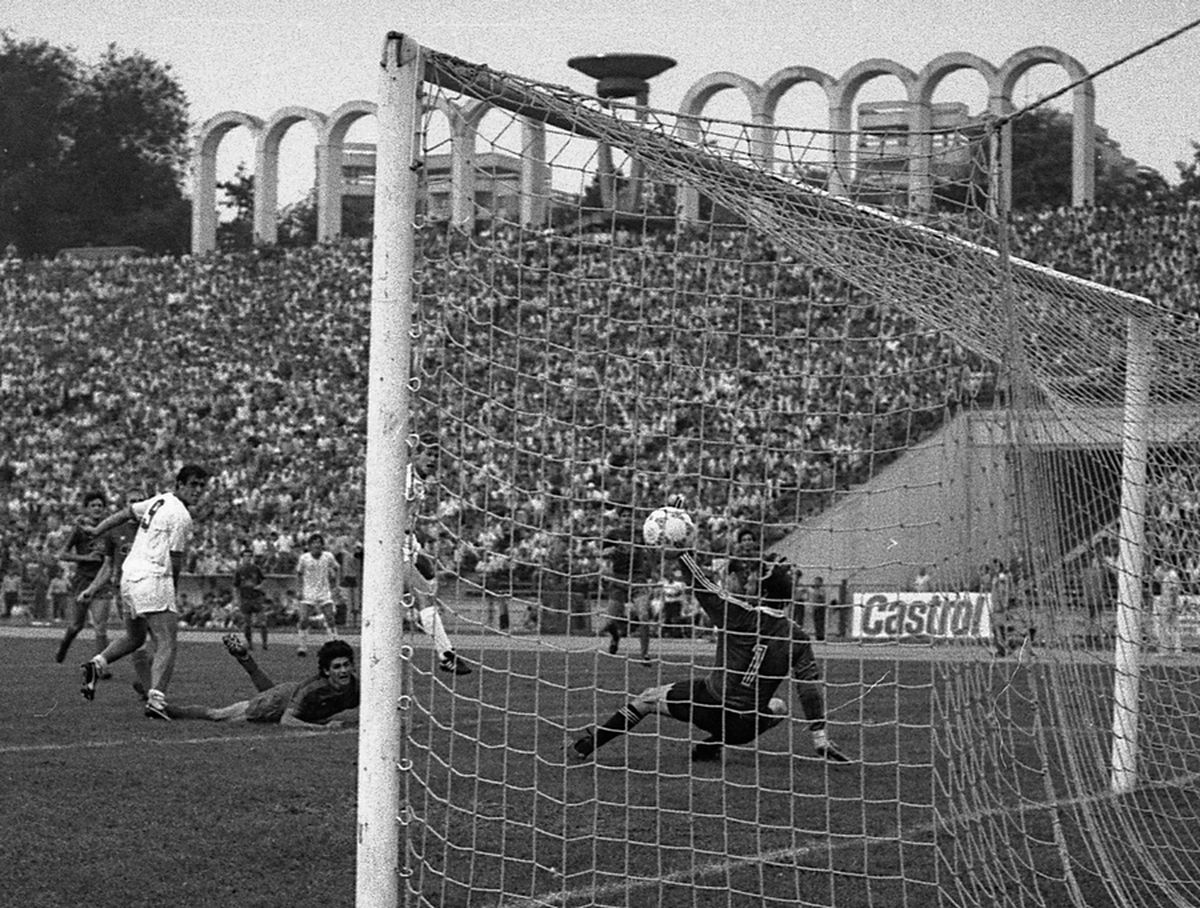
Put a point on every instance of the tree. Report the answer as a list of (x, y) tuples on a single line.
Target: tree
[(36, 84), (1189, 175), (1041, 159), (104, 150), (298, 222), (1042, 153), (238, 232)]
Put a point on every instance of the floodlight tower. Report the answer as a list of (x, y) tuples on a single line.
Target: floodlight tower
[(620, 76)]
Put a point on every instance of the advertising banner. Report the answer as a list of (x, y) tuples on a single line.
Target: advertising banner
[(1189, 619), (921, 616)]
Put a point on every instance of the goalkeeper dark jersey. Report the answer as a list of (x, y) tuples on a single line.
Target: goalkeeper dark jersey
[(758, 645)]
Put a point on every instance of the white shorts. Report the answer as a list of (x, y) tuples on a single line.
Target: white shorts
[(307, 609), (147, 595)]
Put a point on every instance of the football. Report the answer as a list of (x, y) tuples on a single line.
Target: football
[(669, 526)]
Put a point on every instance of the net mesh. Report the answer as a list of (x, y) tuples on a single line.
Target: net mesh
[(849, 360)]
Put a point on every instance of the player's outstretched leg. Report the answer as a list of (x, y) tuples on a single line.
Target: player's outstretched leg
[(653, 699), (237, 649)]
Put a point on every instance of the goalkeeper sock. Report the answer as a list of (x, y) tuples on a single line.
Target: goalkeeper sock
[(618, 723), (431, 623)]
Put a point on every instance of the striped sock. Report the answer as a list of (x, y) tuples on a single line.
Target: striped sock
[(618, 723)]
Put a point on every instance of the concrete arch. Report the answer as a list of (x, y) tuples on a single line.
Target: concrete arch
[(204, 173), (266, 168), (773, 91), (841, 111), (687, 199), (1083, 128), (331, 144), (920, 188), (783, 81), (937, 69), (463, 120), (707, 87)]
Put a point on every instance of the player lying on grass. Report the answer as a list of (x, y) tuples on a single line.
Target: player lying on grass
[(758, 646), (332, 692)]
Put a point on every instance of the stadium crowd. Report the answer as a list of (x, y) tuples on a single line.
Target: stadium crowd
[(565, 381)]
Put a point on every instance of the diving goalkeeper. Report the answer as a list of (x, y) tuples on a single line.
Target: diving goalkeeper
[(758, 646)]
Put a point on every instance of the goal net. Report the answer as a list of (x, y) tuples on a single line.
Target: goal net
[(834, 348)]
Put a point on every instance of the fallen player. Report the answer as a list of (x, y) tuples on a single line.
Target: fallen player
[(332, 692)]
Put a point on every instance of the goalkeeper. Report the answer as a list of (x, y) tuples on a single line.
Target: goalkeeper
[(758, 645)]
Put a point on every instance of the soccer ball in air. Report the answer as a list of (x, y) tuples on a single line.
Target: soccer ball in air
[(669, 527)]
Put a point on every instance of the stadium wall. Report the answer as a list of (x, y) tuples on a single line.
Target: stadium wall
[(949, 502), (943, 504)]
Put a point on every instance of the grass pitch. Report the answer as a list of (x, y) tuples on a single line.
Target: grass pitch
[(106, 807)]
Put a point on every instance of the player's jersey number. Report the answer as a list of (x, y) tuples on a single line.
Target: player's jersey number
[(750, 677), (150, 514)]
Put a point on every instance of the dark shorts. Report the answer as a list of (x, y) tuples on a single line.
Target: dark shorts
[(271, 704), (691, 701)]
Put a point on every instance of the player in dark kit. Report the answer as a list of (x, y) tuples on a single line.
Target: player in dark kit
[(247, 584), (627, 592), (332, 692), (758, 646), (95, 568)]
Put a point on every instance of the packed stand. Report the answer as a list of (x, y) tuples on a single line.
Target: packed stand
[(566, 381)]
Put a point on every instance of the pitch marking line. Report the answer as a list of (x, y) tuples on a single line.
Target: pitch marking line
[(169, 742), (591, 894)]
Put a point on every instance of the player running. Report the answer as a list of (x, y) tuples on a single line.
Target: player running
[(758, 646), (627, 587), (95, 564), (149, 580), (333, 691)]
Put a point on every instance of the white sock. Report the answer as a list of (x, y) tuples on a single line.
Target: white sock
[(431, 623), (820, 739), (156, 697), (99, 661)]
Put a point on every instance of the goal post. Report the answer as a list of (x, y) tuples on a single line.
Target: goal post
[(381, 866), (957, 447), (1131, 612)]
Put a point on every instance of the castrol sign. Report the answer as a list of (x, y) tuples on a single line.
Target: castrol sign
[(908, 616)]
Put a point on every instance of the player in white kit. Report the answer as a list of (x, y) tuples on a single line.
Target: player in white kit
[(318, 573), (149, 577)]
